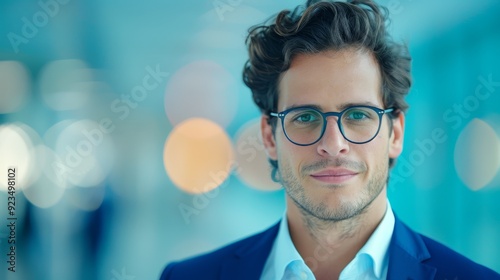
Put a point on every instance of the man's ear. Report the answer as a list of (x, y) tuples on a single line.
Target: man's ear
[(397, 136), (268, 137)]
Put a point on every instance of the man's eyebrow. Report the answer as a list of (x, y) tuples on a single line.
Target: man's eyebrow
[(340, 107), (343, 106), (313, 106)]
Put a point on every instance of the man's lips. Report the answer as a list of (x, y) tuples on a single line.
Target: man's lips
[(334, 175)]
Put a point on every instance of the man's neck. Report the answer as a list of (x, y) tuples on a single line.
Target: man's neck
[(327, 247)]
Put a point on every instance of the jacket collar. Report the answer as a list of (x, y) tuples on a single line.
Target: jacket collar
[(248, 261), (407, 253)]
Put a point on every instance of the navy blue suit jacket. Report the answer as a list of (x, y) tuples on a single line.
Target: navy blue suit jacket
[(411, 256)]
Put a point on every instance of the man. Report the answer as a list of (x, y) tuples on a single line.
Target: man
[(331, 85)]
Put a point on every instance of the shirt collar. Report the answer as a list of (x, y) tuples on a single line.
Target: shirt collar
[(378, 244), (284, 251)]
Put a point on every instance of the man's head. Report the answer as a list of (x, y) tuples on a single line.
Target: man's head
[(321, 26), (330, 56)]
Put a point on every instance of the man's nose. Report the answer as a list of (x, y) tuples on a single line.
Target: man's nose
[(333, 142)]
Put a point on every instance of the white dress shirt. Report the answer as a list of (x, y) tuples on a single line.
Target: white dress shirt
[(371, 262)]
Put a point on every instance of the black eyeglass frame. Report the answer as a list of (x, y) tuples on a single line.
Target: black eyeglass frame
[(282, 115)]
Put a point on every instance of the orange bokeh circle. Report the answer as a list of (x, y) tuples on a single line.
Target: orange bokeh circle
[(198, 155)]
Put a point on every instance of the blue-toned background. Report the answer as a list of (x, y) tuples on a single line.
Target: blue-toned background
[(111, 111)]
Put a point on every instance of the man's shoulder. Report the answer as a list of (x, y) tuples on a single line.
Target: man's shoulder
[(447, 259), (210, 265), (446, 262)]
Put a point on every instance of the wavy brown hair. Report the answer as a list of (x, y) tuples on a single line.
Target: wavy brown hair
[(320, 26)]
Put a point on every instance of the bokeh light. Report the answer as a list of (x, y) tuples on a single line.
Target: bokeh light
[(52, 134), (86, 152), (202, 89), (198, 155), (17, 143), (49, 188), (253, 166), (14, 86), (70, 92), (477, 151)]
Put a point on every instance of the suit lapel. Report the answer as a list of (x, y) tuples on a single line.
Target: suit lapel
[(406, 254), (248, 261)]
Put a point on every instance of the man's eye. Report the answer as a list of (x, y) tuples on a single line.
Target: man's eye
[(306, 117), (357, 115)]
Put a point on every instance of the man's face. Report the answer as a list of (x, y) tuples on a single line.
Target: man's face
[(333, 179)]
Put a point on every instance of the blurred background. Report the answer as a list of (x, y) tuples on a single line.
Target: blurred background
[(135, 141)]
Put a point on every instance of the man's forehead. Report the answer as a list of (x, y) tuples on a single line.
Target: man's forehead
[(345, 55), (347, 75)]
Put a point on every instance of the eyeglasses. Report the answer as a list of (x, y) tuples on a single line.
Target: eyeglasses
[(305, 126)]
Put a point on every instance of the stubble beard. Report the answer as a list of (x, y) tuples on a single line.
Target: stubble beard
[(314, 211)]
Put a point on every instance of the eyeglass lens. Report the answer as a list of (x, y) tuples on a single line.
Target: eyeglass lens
[(306, 125)]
